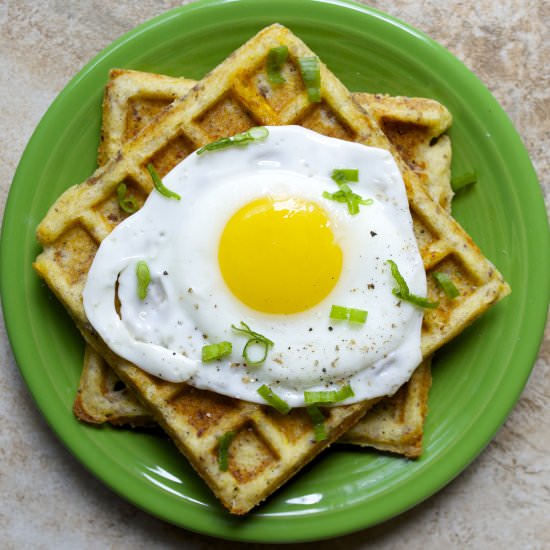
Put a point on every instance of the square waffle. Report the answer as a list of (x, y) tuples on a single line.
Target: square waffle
[(268, 448), (415, 127)]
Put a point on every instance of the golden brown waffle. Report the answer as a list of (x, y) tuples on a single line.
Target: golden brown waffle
[(396, 423), (132, 99), (414, 125), (268, 448), (103, 397)]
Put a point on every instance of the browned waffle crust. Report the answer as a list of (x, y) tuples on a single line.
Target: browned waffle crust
[(268, 448), (396, 423), (103, 397)]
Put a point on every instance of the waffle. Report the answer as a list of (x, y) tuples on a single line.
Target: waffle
[(396, 423), (103, 397), (268, 448), (415, 126)]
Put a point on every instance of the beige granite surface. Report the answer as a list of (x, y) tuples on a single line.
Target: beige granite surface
[(48, 500)]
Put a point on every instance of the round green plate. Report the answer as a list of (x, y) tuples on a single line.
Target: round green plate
[(477, 378)]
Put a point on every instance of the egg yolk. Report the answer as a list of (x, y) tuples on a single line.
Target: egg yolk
[(279, 255)]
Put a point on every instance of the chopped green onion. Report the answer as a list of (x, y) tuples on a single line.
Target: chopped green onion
[(403, 293), (255, 338), (215, 351), (358, 315), (352, 199), (143, 278), (403, 286), (342, 313), (311, 77), (274, 400), (128, 204), (446, 283), (338, 196), (275, 60), (253, 362), (459, 182), (159, 186), (339, 312), (254, 134), (318, 420), (245, 329), (419, 301), (311, 397), (224, 442), (345, 175)]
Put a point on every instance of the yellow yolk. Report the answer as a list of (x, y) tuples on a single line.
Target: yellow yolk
[(278, 255)]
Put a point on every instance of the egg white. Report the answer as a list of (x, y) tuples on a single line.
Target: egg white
[(189, 305)]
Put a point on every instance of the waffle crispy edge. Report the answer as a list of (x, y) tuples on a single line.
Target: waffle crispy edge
[(83, 216)]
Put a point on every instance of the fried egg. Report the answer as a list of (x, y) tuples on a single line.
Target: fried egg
[(257, 238)]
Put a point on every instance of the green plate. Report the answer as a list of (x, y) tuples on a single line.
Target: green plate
[(477, 378)]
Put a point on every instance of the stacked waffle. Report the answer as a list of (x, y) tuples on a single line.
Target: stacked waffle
[(268, 448)]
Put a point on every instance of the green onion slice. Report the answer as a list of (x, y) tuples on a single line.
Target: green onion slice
[(353, 200), (143, 278), (311, 77), (245, 329), (402, 291), (419, 301), (275, 60), (357, 315), (159, 186), (128, 204), (224, 442), (343, 176), (446, 284), (254, 338), (340, 313), (318, 421), (312, 397), (464, 180), (254, 134), (273, 399), (216, 351), (354, 315), (251, 362), (403, 286)]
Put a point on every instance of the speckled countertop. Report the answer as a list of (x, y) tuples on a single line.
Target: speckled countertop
[(50, 501)]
